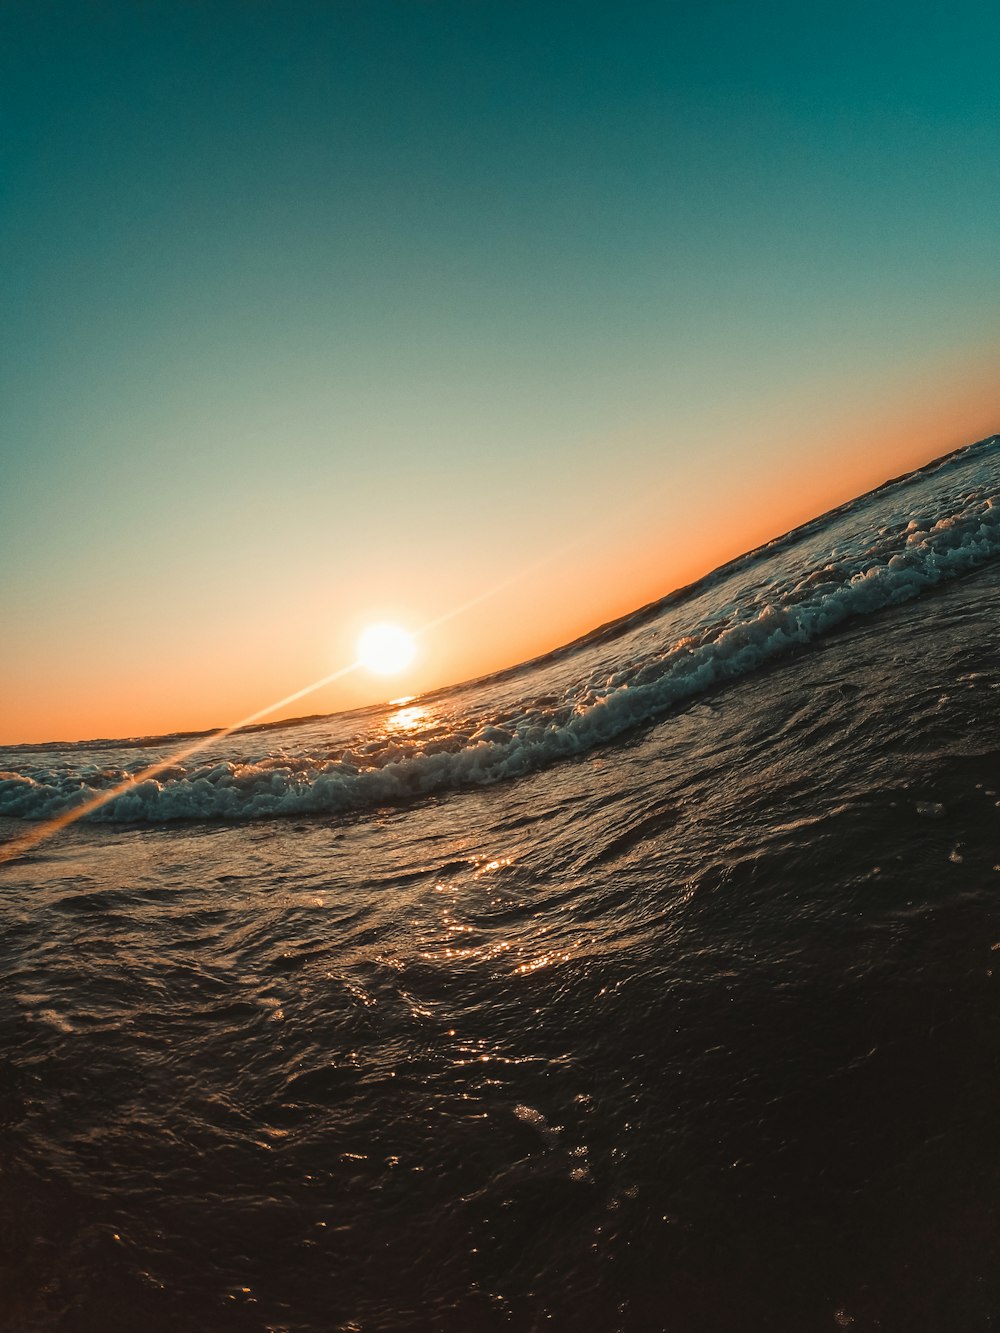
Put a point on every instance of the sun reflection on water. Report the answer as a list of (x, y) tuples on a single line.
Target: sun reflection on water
[(461, 937), (415, 718)]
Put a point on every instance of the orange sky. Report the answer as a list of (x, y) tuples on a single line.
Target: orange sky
[(325, 315), (221, 662)]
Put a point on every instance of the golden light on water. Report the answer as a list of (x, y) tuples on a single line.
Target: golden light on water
[(414, 718), (382, 648)]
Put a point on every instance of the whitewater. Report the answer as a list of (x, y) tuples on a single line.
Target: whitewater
[(652, 985), (882, 549)]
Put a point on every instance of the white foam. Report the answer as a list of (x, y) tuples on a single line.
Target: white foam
[(886, 549)]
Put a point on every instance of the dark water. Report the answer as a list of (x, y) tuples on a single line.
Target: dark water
[(695, 1029)]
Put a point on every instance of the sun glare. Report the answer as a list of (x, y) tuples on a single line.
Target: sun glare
[(386, 649)]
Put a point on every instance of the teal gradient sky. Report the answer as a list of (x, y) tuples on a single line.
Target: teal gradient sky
[(313, 314)]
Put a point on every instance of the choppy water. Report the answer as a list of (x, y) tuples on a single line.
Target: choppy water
[(655, 985)]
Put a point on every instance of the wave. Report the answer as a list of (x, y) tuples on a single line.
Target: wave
[(613, 628), (883, 549)]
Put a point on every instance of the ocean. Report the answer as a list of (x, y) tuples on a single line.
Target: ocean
[(651, 985)]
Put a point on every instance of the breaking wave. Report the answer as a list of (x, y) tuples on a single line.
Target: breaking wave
[(884, 548)]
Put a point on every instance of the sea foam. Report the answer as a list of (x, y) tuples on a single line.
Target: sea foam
[(885, 548)]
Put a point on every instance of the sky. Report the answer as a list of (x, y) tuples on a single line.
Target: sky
[(513, 314)]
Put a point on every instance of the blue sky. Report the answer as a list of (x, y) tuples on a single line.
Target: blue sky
[(315, 312)]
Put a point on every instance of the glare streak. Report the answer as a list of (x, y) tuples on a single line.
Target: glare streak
[(28, 841)]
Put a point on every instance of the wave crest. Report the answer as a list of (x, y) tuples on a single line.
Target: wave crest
[(776, 602)]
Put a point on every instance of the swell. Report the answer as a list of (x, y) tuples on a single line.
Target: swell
[(613, 629), (881, 550)]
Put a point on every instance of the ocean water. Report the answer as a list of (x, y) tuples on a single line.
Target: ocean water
[(654, 985)]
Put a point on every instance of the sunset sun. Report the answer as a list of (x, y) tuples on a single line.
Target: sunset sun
[(386, 649)]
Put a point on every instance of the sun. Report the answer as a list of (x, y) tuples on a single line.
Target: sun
[(386, 649)]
